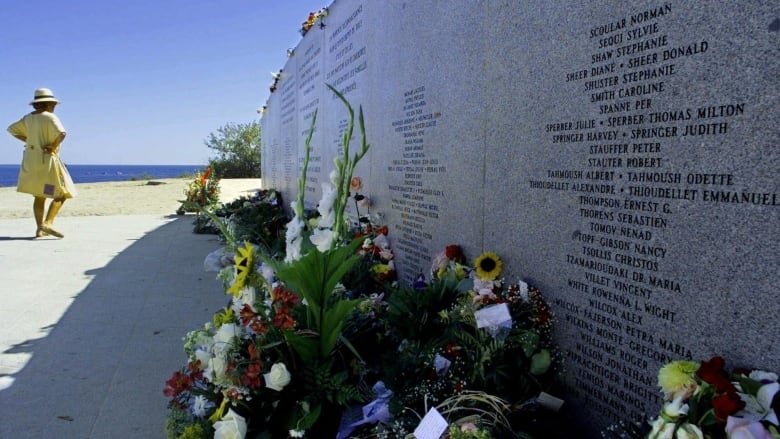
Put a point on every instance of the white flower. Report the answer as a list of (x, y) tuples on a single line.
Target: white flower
[(224, 336), (216, 370), (293, 237), (676, 408), (325, 208), (199, 406), (763, 376), (689, 431), (267, 272), (382, 242), (322, 239), (661, 430), (523, 290), (296, 433), (483, 287), (759, 407), (231, 426), (247, 296), (664, 426), (740, 428), (278, 377), (203, 355)]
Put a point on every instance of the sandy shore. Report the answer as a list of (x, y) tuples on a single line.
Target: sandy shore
[(124, 197)]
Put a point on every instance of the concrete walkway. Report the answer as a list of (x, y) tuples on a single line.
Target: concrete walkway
[(91, 325)]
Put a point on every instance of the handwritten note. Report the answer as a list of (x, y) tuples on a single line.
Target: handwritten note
[(432, 426)]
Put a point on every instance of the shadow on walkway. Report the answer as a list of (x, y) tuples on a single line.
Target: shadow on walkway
[(101, 369)]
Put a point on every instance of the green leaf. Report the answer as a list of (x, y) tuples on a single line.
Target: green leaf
[(749, 386), (305, 347), (332, 324), (540, 362), (708, 418), (308, 419), (529, 341)]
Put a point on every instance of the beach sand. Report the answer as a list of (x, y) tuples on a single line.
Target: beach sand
[(139, 197)]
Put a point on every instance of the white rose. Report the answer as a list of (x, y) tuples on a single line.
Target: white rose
[(231, 426), (216, 369), (224, 337), (278, 377)]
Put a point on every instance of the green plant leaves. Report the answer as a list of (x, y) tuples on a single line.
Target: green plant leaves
[(315, 276), (540, 362)]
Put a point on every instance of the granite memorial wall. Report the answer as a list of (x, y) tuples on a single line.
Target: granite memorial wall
[(622, 157)]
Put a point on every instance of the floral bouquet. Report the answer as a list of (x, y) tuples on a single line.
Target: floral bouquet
[(312, 19), (201, 192), (703, 401), (269, 363), (444, 346), (277, 362)]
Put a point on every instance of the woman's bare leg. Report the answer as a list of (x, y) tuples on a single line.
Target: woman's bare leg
[(39, 205), (54, 209)]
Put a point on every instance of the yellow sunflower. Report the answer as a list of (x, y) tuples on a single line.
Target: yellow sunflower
[(488, 266), (245, 263)]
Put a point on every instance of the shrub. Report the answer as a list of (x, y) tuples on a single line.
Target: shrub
[(238, 150)]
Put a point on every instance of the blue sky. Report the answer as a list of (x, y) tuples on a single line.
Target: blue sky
[(143, 81)]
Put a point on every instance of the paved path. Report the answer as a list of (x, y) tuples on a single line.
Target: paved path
[(91, 325)]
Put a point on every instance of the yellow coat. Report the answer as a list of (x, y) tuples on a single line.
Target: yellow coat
[(42, 174)]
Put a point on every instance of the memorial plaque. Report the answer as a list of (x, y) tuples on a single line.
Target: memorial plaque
[(309, 60), (349, 67), (428, 167), (642, 176), (620, 157)]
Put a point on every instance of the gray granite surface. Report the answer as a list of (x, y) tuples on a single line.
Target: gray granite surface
[(622, 157)]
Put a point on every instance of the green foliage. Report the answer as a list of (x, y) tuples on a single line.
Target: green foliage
[(315, 277), (345, 165), (415, 312), (259, 220), (181, 423), (238, 150)]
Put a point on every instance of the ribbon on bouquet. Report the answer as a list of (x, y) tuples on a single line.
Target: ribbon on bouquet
[(375, 411)]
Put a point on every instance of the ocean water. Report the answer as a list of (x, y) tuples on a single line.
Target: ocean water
[(102, 173)]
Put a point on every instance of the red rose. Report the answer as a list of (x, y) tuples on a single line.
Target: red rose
[(712, 372), (727, 404), (454, 253)]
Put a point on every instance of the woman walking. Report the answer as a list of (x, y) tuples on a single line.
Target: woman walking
[(42, 174)]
